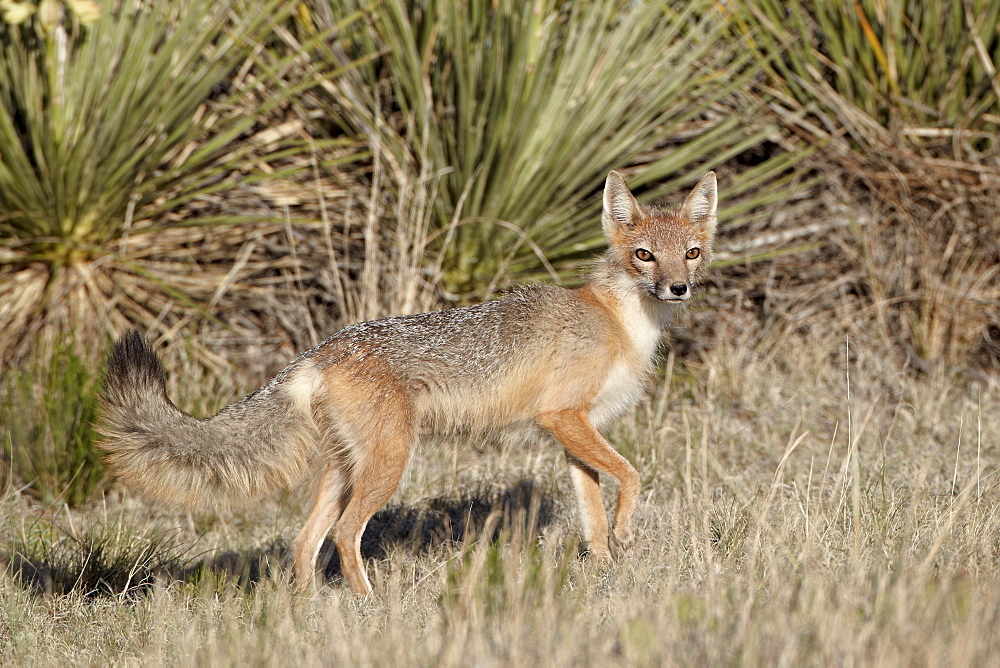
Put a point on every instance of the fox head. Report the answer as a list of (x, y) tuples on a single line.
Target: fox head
[(661, 251)]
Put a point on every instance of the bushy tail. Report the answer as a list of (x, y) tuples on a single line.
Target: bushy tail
[(251, 448)]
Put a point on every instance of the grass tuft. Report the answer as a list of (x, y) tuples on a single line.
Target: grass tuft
[(108, 560), (46, 423)]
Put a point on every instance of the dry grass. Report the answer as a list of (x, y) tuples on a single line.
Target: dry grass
[(805, 501)]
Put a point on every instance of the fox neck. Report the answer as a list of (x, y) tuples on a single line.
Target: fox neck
[(642, 317)]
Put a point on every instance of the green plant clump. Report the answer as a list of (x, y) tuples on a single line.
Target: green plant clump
[(46, 426), (118, 126)]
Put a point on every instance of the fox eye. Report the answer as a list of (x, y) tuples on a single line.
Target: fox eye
[(693, 253), (644, 255)]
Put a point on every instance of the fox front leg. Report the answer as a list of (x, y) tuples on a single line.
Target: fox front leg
[(587, 486), (583, 442)]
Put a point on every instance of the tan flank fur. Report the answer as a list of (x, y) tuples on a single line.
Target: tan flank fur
[(352, 408)]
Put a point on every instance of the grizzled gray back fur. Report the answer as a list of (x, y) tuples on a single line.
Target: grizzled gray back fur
[(251, 448)]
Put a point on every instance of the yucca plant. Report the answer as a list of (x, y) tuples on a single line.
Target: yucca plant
[(519, 109), (117, 120), (923, 70), (890, 87), (94, 117)]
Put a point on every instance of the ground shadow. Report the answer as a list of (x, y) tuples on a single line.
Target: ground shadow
[(94, 568), (518, 509)]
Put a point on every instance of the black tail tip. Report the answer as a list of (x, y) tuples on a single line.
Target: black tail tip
[(133, 357)]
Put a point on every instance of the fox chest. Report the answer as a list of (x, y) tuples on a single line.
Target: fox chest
[(626, 379), (621, 389)]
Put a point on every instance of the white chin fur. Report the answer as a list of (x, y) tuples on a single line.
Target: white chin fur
[(671, 298)]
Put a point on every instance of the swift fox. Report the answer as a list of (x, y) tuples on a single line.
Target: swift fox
[(351, 409)]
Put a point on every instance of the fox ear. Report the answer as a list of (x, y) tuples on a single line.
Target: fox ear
[(700, 205), (620, 207)]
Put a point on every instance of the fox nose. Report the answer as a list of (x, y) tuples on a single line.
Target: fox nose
[(679, 288)]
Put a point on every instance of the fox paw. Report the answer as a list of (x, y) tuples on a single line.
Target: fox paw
[(619, 544), (597, 554)]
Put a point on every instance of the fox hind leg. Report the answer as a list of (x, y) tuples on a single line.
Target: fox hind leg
[(328, 505), (374, 480)]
